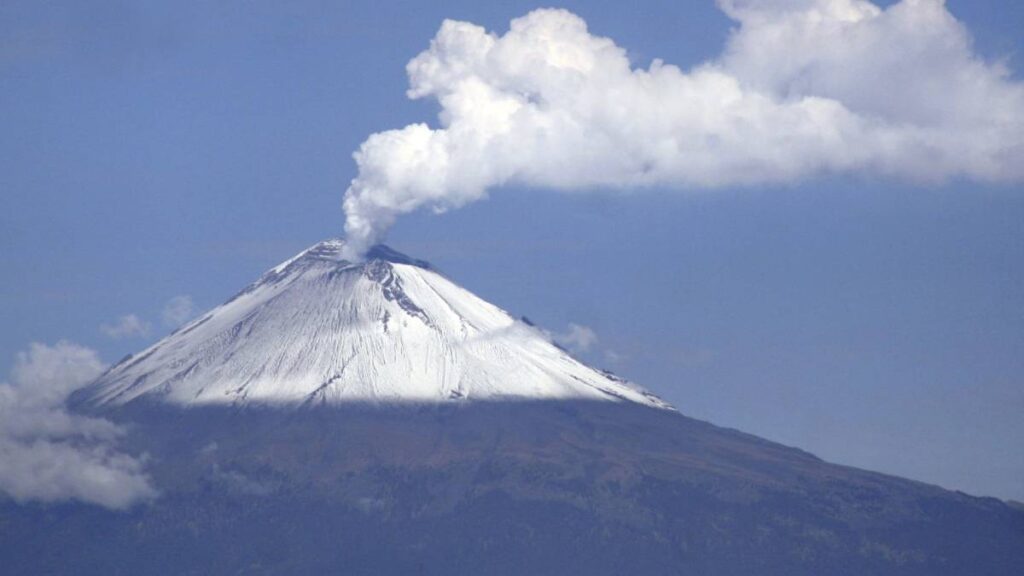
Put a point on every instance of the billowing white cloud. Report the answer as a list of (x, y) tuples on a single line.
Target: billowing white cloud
[(178, 310), (803, 87), (48, 454), (127, 326)]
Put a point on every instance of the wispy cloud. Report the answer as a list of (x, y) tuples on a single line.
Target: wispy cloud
[(178, 310), (614, 357), (49, 454), (577, 338), (127, 326)]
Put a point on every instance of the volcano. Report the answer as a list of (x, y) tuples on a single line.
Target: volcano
[(319, 329), (373, 417)]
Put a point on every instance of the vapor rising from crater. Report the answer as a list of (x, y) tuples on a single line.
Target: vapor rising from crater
[(802, 88)]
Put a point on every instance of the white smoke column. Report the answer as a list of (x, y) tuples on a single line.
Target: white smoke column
[(804, 87)]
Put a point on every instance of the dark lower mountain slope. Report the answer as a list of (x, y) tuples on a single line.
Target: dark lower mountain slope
[(552, 487)]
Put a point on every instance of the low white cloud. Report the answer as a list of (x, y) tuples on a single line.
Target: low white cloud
[(49, 454), (127, 326), (576, 338), (802, 88), (178, 310)]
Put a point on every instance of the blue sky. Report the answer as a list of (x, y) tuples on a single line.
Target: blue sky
[(154, 150)]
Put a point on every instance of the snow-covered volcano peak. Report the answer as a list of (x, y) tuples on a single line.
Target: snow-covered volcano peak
[(386, 254), (333, 250), (319, 329)]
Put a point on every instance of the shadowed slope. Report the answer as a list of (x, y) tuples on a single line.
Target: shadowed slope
[(540, 487)]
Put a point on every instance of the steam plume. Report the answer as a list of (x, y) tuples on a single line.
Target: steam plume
[(802, 88)]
